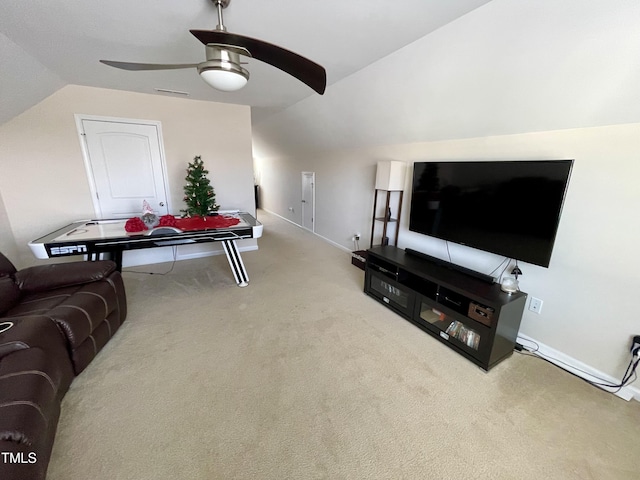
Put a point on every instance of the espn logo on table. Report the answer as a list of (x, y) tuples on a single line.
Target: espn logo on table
[(68, 250), (18, 457)]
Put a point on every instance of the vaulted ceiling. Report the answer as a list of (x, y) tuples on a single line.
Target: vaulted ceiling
[(46, 44)]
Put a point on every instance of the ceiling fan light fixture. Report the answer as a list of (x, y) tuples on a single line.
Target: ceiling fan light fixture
[(225, 79), (222, 70)]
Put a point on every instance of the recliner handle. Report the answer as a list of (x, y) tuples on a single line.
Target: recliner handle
[(10, 347)]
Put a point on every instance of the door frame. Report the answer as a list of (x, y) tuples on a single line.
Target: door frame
[(79, 117), (313, 200)]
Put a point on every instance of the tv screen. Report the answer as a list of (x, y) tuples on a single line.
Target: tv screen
[(509, 208)]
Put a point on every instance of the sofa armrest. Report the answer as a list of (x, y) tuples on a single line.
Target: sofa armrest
[(47, 277)]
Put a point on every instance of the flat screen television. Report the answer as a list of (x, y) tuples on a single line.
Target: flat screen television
[(510, 208)]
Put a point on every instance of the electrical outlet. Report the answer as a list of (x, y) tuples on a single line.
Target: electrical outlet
[(535, 305), (356, 236), (635, 345)]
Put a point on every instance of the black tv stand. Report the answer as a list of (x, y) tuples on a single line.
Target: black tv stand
[(473, 317), (452, 266)]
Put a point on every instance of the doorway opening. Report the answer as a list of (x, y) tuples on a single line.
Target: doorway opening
[(308, 200)]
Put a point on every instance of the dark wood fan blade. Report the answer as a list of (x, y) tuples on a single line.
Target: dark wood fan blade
[(146, 66), (295, 65)]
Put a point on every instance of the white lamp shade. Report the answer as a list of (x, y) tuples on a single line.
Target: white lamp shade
[(390, 175), (225, 80)]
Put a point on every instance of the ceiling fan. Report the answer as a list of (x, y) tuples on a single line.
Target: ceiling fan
[(222, 69)]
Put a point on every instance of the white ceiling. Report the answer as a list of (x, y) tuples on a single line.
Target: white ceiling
[(47, 44)]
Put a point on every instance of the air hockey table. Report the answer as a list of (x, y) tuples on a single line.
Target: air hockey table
[(95, 238)]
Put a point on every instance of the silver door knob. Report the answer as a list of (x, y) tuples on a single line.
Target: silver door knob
[(162, 204)]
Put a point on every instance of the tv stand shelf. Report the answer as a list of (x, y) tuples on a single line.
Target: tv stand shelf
[(470, 315)]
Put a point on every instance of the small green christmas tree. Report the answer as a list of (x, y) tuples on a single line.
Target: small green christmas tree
[(198, 192)]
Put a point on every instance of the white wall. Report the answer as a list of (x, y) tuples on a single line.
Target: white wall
[(15, 96), (567, 71), (42, 173), (7, 244), (507, 67)]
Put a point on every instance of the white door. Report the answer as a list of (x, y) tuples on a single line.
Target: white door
[(308, 200), (125, 165)]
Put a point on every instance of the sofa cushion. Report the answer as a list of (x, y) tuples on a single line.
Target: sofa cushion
[(43, 302), (76, 310)]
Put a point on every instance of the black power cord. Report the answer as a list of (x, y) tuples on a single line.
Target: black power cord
[(628, 378), (516, 270), (507, 260), (173, 264)]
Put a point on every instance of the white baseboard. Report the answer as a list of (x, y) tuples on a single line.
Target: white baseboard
[(285, 219), (212, 253), (578, 368), (341, 247), (136, 258)]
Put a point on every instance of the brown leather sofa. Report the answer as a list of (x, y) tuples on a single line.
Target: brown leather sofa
[(54, 319)]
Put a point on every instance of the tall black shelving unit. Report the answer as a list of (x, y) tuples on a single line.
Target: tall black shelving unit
[(388, 216)]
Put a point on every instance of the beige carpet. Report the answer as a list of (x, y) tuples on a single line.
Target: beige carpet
[(302, 376)]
